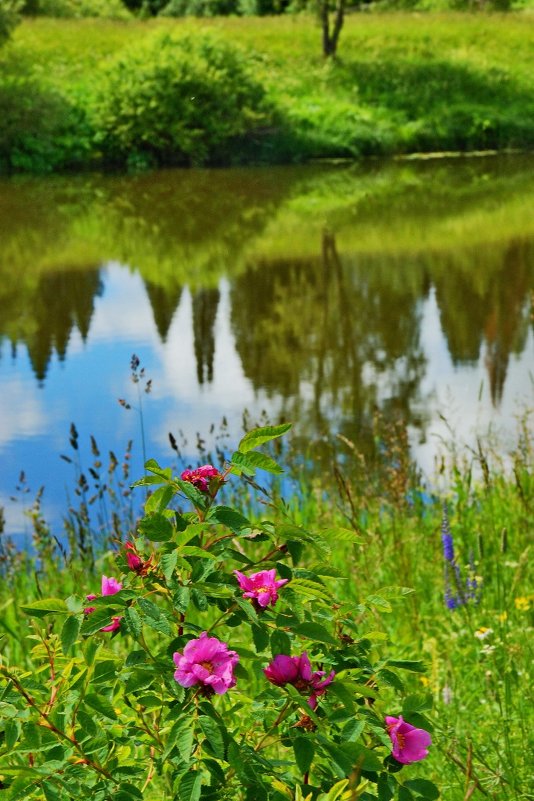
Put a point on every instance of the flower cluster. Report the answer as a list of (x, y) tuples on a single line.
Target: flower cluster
[(110, 586), (457, 592), (202, 477)]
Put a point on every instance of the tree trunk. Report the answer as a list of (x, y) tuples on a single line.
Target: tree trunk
[(331, 38)]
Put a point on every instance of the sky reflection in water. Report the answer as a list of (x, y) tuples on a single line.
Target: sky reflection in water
[(316, 295)]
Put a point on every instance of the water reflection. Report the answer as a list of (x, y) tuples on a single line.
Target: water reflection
[(319, 294)]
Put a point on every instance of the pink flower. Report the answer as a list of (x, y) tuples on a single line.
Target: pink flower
[(409, 744), (135, 563), (206, 661), (261, 587), (109, 587), (202, 477), (296, 670)]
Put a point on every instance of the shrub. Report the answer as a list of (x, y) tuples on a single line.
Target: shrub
[(217, 667), (76, 9), (199, 8), (177, 101), (41, 129), (8, 17)]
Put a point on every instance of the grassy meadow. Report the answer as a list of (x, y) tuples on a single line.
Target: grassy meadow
[(403, 83), (478, 655)]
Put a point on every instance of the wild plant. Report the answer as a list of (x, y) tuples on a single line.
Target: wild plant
[(217, 665)]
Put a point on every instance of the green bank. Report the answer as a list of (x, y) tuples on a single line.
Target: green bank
[(77, 94)]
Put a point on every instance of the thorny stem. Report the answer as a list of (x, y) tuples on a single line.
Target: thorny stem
[(48, 724), (279, 719)]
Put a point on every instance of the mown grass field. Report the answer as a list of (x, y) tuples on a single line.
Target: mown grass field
[(403, 82)]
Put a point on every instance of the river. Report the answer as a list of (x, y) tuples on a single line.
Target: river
[(316, 294)]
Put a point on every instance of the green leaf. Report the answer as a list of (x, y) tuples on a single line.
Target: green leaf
[(196, 497), (213, 735), (314, 631), (156, 528), (168, 564), (258, 436), (417, 703), (12, 733), (46, 606), (379, 603), (101, 704), (309, 589), (69, 633), (133, 622), (404, 794), (181, 735), (280, 643), (230, 518), (190, 786), (304, 753), (96, 620), (260, 635), (181, 599), (163, 472), (250, 462), (424, 788), (408, 664), (159, 500), (194, 550)]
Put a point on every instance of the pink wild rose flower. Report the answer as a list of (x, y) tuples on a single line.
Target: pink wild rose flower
[(109, 587), (201, 477), (409, 744), (208, 662), (262, 587), (135, 562), (296, 670)]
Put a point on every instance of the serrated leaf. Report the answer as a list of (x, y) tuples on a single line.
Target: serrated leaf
[(260, 636), (250, 462), (163, 472), (424, 788), (280, 643), (235, 521), (314, 631), (45, 606), (181, 735), (310, 589), (415, 666), (156, 528), (190, 786), (258, 436), (194, 550), (159, 500), (12, 733), (339, 534), (379, 603), (212, 732), (96, 620), (101, 704), (304, 753), (168, 563), (133, 622), (69, 633), (196, 497)]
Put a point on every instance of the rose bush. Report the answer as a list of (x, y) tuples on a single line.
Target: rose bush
[(179, 682)]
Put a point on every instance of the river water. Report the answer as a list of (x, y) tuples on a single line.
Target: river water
[(312, 294)]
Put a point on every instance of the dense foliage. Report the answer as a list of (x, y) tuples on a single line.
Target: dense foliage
[(278, 690), (9, 18), (404, 84), (178, 101)]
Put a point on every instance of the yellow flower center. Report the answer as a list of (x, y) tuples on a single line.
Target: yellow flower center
[(208, 666)]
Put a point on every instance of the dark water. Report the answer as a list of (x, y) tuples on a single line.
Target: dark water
[(316, 294)]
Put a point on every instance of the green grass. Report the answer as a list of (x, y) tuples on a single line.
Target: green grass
[(480, 685), (403, 83)]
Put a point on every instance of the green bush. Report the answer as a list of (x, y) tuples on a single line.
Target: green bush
[(178, 101), (199, 8), (76, 9), (41, 130), (9, 17)]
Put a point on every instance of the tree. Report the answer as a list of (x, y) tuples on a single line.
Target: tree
[(331, 16), (9, 18)]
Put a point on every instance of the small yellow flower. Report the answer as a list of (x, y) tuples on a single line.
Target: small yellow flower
[(522, 603), (483, 632), (502, 617), (425, 681)]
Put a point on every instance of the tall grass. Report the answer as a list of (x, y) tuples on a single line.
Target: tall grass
[(478, 654)]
